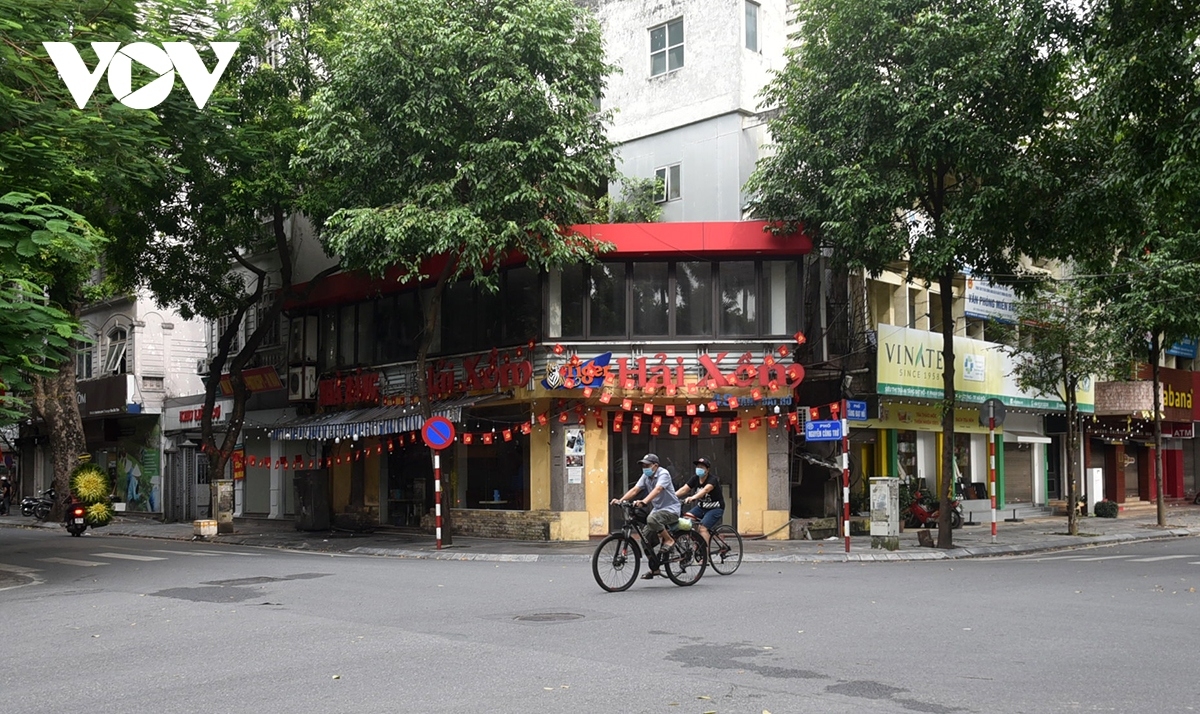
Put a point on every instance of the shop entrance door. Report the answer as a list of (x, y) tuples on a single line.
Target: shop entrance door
[(675, 454)]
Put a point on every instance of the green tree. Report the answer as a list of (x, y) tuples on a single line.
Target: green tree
[(900, 136), (62, 171), (1062, 340), (1138, 126), (213, 236), (636, 202), (463, 131)]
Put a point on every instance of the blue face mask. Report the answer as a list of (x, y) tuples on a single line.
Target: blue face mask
[(648, 471), (700, 472)]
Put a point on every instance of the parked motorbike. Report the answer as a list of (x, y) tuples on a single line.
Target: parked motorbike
[(75, 522), (39, 506), (923, 512)]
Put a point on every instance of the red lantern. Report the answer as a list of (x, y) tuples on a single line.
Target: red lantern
[(693, 389), (674, 430), (609, 380), (734, 425), (772, 421), (670, 410), (713, 406), (670, 390), (507, 434), (627, 404), (814, 413), (715, 427), (657, 419), (487, 437), (606, 397), (648, 408), (599, 422), (569, 382), (733, 403), (542, 419), (637, 424), (468, 437), (695, 427), (835, 409), (391, 446), (563, 417), (558, 349), (628, 384), (793, 418), (587, 392), (526, 428), (691, 410), (754, 423)]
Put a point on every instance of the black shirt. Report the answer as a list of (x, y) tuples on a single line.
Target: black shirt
[(712, 499)]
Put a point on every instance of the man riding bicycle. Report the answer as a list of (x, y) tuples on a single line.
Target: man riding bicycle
[(664, 505)]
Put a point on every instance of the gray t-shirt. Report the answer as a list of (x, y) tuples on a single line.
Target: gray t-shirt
[(666, 498)]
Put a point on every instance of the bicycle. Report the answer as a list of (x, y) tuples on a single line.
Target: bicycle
[(618, 557), (724, 549)]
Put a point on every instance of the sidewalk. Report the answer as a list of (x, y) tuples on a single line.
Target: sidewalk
[(1032, 536)]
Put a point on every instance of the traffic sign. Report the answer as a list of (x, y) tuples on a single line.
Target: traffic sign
[(826, 430), (856, 411), (987, 408), (438, 433)]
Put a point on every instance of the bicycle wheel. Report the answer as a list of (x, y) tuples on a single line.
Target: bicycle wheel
[(724, 549), (686, 564), (616, 562)]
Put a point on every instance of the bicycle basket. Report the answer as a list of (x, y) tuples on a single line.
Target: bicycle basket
[(639, 514)]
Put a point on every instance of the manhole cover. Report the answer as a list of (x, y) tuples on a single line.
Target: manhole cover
[(549, 617)]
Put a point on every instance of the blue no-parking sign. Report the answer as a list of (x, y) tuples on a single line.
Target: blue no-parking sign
[(438, 433)]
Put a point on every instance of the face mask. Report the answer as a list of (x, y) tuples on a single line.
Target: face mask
[(700, 472), (647, 472)]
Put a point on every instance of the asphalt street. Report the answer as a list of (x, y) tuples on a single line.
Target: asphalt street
[(136, 625)]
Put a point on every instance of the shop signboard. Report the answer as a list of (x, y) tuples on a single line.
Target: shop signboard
[(189, 416), (925, 417), (986, 300), (1185, 348), (909, 364), (105, 396), (258, 379)]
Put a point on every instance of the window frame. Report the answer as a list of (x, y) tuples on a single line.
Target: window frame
[(665, 51), (757, 13), (669, 178), (115, 351)]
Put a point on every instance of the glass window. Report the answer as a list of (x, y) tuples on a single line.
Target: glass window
[(608, 300), (346, 335), (651, 299), (114, 357), (666, 47), (667, 183), (739, 308), (387, 334), (781, 302), (752, 26), (693, 299), (329, 338), (366, 332), (83, 363), (489, 316), (522, 306), (572, 290), (458, 327)]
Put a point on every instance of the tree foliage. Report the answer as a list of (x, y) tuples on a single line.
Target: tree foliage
[(460, 129), (901, 135), (212, 237), (1139, 126)]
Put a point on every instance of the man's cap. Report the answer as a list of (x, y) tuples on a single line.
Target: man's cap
[(703, 462), (649, 459)]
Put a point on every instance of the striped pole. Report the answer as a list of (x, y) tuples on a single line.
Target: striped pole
[(846, 475), (992, 463), (437, 495)]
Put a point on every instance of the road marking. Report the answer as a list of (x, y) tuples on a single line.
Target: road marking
[(188, 552), (1104, 557), (68, 561), (126, 556), (1161, 557), (18, 568)]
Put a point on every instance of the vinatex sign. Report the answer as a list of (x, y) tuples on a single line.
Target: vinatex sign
[(910, 365), (118, 61)]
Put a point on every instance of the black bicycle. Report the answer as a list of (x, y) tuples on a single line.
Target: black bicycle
[(618, 558), (724, 549)]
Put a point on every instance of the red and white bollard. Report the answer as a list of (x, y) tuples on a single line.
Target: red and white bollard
[(437, 496), (992, 464), (846, 475)]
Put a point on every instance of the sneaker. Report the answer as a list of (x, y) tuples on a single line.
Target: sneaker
[(651, 575)]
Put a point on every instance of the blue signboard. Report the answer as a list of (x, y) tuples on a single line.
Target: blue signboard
[(856, 411), (827, 430), (1183, 348)]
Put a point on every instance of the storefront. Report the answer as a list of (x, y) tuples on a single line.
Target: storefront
[(1122, 435), (124, 441), (909, 422), (187, 492)]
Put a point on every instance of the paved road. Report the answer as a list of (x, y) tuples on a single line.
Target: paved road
[(147, 625)]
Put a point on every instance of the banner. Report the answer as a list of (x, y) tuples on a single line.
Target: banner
[(909, 364)]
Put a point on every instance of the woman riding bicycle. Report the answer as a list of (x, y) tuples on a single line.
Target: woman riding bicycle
[(664, 504), (710, 501)]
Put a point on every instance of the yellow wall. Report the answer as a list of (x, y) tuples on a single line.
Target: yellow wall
[(572, 525), (751, 476), (596, 478), (539, 468)]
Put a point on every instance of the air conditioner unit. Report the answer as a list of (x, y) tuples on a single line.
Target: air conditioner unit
[(202, 366), (302, 384)]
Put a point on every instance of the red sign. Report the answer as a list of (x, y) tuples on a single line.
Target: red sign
[(239, 464), (651, 373), (259, 379), (438, 433), (478, 373), (192, 416), (349, 390)]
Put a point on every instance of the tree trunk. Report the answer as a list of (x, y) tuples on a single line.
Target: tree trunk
[(1072, 447), (55, 404), (433, 312), (945, 534), (1155, 349)]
